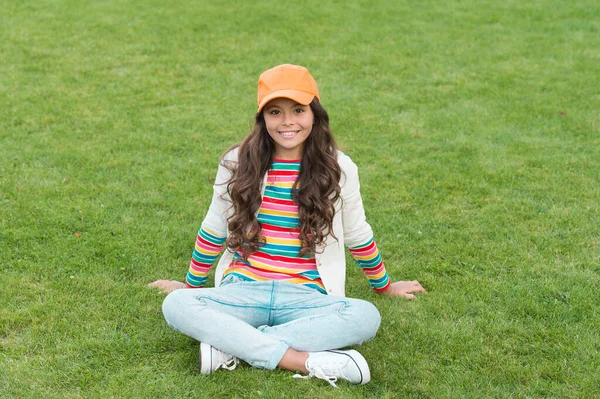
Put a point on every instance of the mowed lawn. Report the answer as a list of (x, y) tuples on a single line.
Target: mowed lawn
[(476, 129)]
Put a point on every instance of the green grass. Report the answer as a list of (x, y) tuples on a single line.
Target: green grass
[(476, 128)]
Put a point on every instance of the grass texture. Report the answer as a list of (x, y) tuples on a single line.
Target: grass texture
[(476, 128)]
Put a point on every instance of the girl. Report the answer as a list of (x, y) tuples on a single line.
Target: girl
[(285, 204)]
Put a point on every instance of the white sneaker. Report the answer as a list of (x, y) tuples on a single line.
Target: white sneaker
[(212, 359), (331, 365)]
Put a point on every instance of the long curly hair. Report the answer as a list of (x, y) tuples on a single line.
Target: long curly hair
[(315, 191)]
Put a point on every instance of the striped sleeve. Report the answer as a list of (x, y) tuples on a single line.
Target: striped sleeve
[(208, 247), (369, 259)]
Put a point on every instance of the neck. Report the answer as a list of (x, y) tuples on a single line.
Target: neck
[(292, 155)]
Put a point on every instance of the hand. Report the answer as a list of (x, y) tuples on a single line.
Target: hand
[(404, 289), (167, 286)]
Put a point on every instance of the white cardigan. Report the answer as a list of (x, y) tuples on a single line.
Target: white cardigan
[(349, 224)]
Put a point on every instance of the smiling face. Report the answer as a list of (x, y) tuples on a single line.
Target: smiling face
[(289, 124)]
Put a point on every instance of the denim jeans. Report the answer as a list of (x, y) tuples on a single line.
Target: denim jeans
[(258, 321)]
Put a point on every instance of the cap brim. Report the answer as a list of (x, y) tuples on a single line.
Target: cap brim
[(299, 96)]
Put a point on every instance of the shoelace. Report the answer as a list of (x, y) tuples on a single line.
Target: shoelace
[(319, 373), (231, 364)]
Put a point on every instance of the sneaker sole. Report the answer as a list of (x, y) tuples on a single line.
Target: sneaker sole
[(361, 363), (205, 358)]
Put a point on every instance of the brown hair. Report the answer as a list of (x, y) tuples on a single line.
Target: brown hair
[(315, 191)]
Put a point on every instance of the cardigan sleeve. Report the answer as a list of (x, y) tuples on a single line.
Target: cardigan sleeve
[(213, 231), (356, 229), (358, 234), (216, 217)]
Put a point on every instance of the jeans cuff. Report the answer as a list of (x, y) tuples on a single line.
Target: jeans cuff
[(277, 355)]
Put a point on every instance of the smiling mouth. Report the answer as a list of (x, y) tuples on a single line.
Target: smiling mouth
[(288, 135)]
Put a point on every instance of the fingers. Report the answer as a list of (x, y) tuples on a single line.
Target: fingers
[(159, 283), (409, 286), (406, 289), (163, 285), (167, 286), (417, 287)]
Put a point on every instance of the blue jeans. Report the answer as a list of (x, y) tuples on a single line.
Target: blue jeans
[(258, 321)]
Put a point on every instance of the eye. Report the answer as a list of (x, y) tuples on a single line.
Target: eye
[(274, 112), (299, 110)]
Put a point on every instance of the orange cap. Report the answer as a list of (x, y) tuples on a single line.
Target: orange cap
[(287, 81)]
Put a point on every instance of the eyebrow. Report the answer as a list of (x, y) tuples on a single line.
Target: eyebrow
[(277, 106)]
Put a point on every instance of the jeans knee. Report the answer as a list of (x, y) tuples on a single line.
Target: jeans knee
[(369, 321), (171, 304)]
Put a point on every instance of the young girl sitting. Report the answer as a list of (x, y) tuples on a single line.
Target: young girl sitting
[(286, 202)]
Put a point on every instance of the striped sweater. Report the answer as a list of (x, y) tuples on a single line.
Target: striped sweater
[(279, 258)]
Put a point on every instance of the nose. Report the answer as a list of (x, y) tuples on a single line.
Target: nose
[(287, 119)]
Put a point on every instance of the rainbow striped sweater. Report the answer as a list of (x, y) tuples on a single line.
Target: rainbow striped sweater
[(279, 258)]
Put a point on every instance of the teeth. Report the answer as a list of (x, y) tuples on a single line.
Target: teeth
[(287, 134)]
